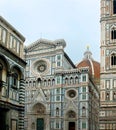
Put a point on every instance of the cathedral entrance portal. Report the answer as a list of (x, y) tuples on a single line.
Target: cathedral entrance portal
[(40, 124), (71, 126), (71, 120)]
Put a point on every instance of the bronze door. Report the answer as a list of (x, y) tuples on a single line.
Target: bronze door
[(71, 125), (40, 124)]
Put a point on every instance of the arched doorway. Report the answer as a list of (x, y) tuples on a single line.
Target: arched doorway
[(71, 120), (39, 110)]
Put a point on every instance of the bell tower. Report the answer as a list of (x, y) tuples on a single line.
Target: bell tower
[(108, 65)]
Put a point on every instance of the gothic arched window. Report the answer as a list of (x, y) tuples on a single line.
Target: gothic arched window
[(39, 81), (49, 82), (113, 33), (53, 81), (57, 111), (71, 80), (34, 83), (83, 111), (114, 6), (45, 83), (113, 59), (107, 95), (66, 80), (76, 79)]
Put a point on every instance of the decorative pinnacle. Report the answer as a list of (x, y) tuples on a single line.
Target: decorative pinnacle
[(87, 47)]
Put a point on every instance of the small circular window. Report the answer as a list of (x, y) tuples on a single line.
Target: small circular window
[(71, 93), (41, 68)]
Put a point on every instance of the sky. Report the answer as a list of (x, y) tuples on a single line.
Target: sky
[(75, 21)]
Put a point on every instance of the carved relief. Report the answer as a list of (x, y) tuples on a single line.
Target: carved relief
[(39, 108), (71, 114)]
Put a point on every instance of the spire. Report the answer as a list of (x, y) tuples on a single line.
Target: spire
[(87, 54)]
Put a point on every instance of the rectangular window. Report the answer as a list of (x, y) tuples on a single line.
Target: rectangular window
[(11, 41), (83, 125), (14, 43), (114, 83), (4, 36), (52, 124), (57, 98), (58, 64), (58, 57), (58, 61), (53, 59), (18, 45), (58, 80), (84, 78), (84, 89), (57, 90), (83, 96), (15, 82), (57, 124), (107, 84)]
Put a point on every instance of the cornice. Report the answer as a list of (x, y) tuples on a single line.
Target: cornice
[(9, 54)]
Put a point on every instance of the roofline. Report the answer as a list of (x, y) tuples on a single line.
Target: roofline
[(14, 30), (67, 57)]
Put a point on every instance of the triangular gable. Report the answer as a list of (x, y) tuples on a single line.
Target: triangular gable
[(41, 44), (39, 96)]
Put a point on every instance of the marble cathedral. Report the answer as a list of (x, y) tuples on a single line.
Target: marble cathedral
[(59, 94), (12, 66)]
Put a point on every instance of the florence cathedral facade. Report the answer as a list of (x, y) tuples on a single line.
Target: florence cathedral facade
[(55, 93), (60, 95)]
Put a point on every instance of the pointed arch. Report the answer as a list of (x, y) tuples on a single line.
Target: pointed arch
[(57, 111), (39, 81), (113, 58), (39, 108), (113, 32), (66, 80), (71, 80), (71, 114)]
